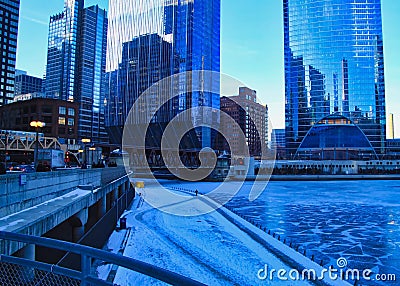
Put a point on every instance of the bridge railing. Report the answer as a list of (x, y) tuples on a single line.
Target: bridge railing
[(36, 188), (112, 173), (24, 190), (21, 271)]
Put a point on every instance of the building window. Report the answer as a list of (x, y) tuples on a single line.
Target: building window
[(61, 120), (71, 122), (62, 110), (71, 112)]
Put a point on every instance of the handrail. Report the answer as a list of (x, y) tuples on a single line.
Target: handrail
[(86, 251), (40, 266)]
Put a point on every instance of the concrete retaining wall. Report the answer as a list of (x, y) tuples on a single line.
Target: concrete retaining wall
[(41, 187)]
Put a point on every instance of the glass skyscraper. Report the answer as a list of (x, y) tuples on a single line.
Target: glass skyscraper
[(62, 51), (91, 68), (9, 17), (25, 83), (76, 61), (334, 65), (151, 40)]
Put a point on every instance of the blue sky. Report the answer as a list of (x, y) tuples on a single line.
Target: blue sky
[(252, 47)]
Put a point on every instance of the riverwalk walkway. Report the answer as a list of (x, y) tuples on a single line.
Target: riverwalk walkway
[(217, 248)]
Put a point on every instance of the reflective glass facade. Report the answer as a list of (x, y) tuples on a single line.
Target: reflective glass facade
[(25, 84), (91, 68), (333, 64), (62, 51), (9, 17), (151, 40), (76, 63), (335, 137)]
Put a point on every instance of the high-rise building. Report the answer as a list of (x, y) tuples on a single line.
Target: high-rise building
[(334, 65), (91, 68), (278, 138), (20, 72), (278, 142), (76, 64), (25, 84), (151, 40), (250, 117), (9, 17), (62, 51), (390, 132), (266, 124)]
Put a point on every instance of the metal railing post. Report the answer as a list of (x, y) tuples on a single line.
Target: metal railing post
[(85, 268), (87, 254)]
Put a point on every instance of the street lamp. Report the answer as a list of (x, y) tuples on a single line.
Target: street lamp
[(92, 148), (85, 141), (5, 148), (37, 124)]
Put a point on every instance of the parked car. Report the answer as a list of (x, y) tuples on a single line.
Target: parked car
[(13, 171), (27, 168), (23, 168)]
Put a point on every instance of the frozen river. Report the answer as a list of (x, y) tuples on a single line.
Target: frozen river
[(357, 220)]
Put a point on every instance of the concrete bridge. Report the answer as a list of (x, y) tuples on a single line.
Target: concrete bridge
[(62, 204)]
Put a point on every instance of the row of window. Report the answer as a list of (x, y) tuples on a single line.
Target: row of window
[(63, 121), (12, 3), (8, 88), (62, 110)]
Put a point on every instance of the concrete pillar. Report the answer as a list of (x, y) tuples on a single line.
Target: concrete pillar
[(108, 201), (101, 207), (114, 197), (127, 190), (26, 274), (77, 233), (121, 189), (78, 222)]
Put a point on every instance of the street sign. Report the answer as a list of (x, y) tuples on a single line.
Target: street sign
[(22, 180)]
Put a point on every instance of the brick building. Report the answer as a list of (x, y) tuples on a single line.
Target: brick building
[(251, 119), (60, 116)]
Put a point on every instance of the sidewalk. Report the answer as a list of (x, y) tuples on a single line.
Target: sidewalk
[(23, 219)]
